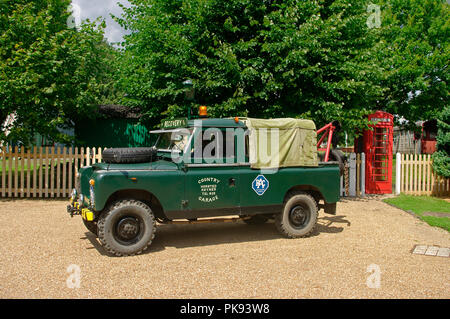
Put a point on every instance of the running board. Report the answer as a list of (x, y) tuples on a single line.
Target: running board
[(205, 221)]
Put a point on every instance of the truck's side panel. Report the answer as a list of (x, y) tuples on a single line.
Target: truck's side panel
[(167, 186), (325, 179), (208, 191)]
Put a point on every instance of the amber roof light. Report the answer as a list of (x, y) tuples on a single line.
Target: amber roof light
[(202, 111)]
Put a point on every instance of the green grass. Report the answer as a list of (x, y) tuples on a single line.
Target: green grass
[(20, 167), (420, 204)]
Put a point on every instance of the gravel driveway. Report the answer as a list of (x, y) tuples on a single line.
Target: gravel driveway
[(366, 245)]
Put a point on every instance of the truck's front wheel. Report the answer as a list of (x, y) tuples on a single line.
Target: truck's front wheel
[(299, 215), (91, 226), (127, 228)]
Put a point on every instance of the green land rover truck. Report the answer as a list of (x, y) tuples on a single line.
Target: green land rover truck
[(208, 170)]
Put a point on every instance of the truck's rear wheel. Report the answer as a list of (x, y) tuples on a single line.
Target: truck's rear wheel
[(299, 215), (127, 228)]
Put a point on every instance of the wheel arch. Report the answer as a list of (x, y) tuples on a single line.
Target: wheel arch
[(138, 194), (310, 189)]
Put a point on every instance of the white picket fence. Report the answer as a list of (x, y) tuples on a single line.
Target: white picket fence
[(43, 171), (414, 175), (50, 172)]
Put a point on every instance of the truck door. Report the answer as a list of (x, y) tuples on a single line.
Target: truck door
[(212, 177)]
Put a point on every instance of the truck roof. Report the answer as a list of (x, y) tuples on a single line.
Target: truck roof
[(280, 123), (215, 122), (295, 139), (239, 122)]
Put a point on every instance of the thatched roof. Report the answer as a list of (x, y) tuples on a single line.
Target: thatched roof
[(119, 111)]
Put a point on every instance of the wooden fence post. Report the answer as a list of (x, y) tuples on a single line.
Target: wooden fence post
[(10, 156), (398, 178), (363, 174), (358, 163), (70, 172), (88, 156), (29, 171), (57, 160), (352, 175), (3, 150), (21, 169), (403, 174), (16, 171), (64, 175), (34, 151)]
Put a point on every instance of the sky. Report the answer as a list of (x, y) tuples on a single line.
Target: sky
[(92, 9)]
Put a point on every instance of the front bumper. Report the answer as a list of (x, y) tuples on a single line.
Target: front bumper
[(75, 208)]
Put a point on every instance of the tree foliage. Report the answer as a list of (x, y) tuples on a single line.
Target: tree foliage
[(310, 59), (414, 53), (319, 59), (313, 59), (50, 74), (441, 158)]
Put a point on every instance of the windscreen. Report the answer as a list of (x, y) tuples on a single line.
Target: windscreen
[(173, 140)]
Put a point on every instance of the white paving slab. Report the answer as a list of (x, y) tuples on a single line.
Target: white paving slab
[(443, 252), (431, 251), (420, 249)]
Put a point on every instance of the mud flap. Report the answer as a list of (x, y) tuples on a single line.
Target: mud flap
[(330, 208)]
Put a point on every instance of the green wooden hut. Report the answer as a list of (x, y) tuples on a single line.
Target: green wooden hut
[(114, 126)]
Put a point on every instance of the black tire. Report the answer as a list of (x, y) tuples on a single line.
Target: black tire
[(338, 156), (299, 215), (257, 219), (127, 228), (91, 226), (128, 155)]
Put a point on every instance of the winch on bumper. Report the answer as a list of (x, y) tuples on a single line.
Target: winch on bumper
[(76, 207)]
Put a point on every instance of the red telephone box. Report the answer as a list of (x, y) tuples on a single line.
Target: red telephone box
[(377, 145)]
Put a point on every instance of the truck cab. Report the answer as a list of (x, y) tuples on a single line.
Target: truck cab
[(249, 170)]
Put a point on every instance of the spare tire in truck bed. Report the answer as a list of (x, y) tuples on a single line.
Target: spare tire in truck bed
[(336, 156), (129, 155)]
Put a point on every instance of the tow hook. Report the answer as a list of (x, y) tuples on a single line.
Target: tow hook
[(73, 210)]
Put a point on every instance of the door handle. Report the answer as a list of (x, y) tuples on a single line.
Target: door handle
[(232, 182)]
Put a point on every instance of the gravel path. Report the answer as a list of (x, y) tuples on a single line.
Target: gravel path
[(40, 241)]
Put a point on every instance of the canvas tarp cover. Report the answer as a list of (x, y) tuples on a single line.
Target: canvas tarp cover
[(283, 142)]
